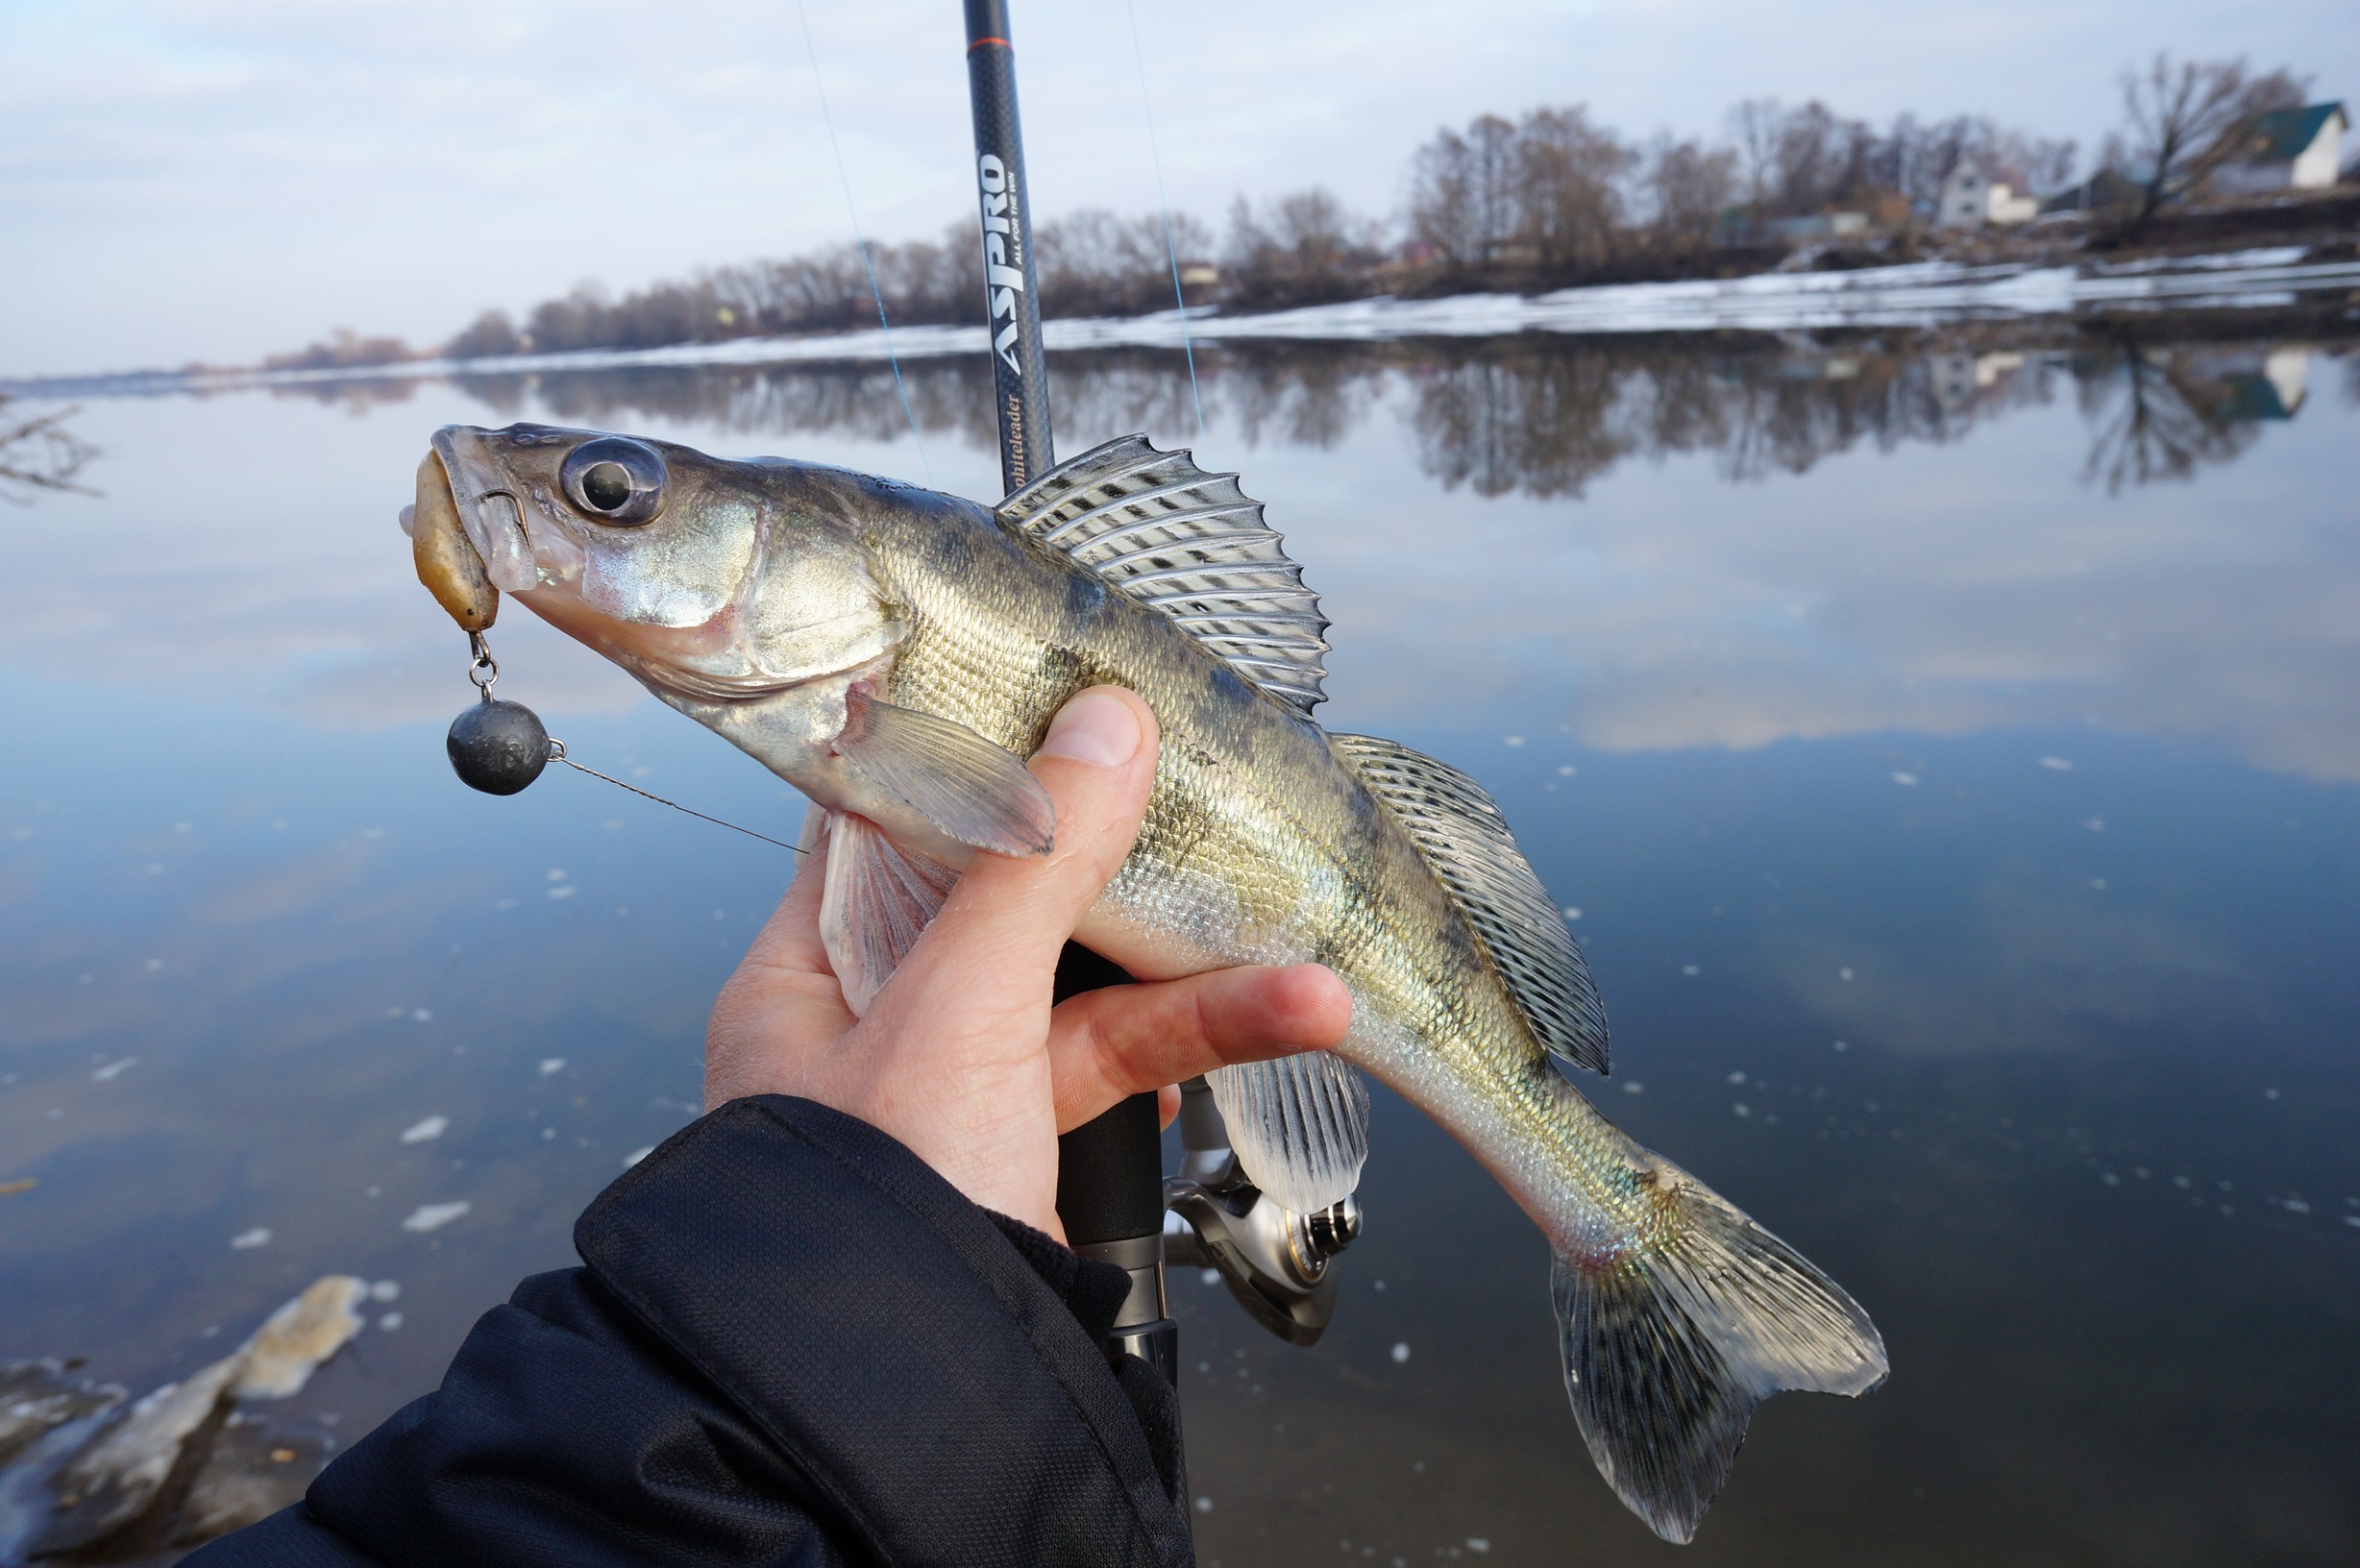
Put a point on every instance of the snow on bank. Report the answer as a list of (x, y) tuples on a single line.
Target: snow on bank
[(1921, 294)]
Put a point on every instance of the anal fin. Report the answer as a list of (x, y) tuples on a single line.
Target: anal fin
[(1299, 1125), (875, 905)]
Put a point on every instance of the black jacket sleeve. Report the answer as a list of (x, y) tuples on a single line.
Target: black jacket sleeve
[(791, 1344)]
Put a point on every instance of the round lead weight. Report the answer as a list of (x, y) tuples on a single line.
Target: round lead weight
[(497, 746)]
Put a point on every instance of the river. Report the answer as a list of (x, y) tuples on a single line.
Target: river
[(1945, 748)]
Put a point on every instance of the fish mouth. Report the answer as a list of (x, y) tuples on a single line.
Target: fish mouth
[(489, 508)]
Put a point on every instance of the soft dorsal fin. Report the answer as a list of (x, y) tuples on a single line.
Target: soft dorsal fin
[(1466, 841), (1193, 544)]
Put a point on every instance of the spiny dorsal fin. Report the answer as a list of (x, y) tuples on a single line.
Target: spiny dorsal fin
[(1193, 544), (1467, 843)]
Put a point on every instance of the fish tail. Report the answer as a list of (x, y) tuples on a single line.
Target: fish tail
[(1671, 1340)]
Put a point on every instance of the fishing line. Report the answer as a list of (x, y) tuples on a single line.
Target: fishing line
[(556, 754), (901, 389), (1155, 155)]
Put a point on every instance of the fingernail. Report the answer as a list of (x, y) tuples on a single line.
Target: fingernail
[(1096, 727)]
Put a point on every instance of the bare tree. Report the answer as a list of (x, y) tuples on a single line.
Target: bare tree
[(1462, 191), (2180, 119), (490, 335), (1688, 186), (1754, 126), (1096, 263), (1297, 250), (1567, 187)]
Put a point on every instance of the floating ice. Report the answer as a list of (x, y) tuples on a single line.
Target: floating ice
[(1573, 912), (551, 1064), (1742, 1109), (297, 1338), (564, 890), (385, 1290), (426, 1131), (1737, 1077), (1634, 1088), (248, 1241), (113, 1070), (1904, 778), (1401, 1351), (1690, 969), (109, 1500), (1512, 740), (2058, 764), (2096, 825), (434, 1217), (389, 1321)]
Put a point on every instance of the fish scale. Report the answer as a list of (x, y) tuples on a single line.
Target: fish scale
[(894, 653)]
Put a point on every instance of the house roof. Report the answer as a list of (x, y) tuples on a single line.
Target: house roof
[(2281, 135)]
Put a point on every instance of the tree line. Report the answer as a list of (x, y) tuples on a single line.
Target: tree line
[(1551, 198)]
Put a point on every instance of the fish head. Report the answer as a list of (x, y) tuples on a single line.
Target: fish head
[(714, 582)]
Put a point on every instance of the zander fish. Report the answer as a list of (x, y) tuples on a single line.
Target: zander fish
[(895, 653)]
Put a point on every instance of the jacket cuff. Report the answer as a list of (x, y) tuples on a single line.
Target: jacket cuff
[(884, 1333)]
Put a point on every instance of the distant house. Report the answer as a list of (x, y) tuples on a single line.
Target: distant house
[(1818, 226), (1975, 195), (2106, 188), (2287, 149)]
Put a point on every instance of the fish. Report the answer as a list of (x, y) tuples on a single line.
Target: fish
[(895, 652)]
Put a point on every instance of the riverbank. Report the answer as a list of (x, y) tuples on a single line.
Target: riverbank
[(2315, 281)]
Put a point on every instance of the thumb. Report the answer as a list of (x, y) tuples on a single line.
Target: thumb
[(1009, 917)]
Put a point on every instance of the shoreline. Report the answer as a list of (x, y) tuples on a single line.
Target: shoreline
[(1921, 295)]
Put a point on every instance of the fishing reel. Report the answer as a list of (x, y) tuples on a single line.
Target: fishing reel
[(1279, 1264)]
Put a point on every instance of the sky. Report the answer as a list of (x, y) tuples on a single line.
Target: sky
[(215, 179)]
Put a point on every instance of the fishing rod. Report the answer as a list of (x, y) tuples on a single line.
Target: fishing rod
[(1112, 1196), (1110, 1170)]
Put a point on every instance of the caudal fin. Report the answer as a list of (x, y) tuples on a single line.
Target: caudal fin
[(1670, 1345)]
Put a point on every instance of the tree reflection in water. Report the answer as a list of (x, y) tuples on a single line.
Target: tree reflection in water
[(1532, 415), (2155, 414), (39, 454)]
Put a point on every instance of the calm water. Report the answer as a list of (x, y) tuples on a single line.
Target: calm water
[(1950, 757)]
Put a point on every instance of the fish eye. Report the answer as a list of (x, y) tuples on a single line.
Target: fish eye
[(615, 480)]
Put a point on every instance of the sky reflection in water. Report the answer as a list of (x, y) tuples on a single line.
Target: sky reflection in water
[(1990, 714)]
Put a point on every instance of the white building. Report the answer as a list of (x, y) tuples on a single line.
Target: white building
[(2287, 149), (1973, 196)]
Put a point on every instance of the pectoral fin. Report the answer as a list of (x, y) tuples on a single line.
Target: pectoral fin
[(976, 792), (875, 905)]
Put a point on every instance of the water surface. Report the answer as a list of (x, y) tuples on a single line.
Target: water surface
[(1948, 748)]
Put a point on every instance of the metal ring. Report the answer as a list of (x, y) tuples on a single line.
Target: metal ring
[(482, 670)]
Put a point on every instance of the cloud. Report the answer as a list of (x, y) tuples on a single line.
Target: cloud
[(218, 178)]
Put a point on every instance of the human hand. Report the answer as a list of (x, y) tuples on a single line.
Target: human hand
[(961, 1056)]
